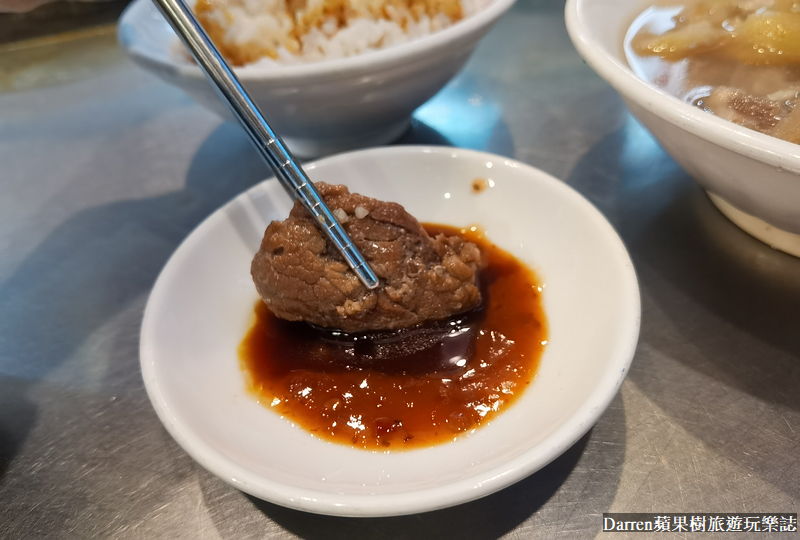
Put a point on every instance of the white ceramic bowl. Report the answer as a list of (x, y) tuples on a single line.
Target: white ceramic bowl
[(753, 178), (202, 304), (324, 107)]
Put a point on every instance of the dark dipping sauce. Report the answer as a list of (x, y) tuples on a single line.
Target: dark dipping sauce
[(407, 388)]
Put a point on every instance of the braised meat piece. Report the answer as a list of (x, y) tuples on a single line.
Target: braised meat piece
[(302, 277), (739, 107)]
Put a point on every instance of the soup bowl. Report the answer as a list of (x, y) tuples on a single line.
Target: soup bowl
[(324, 107), (754, 179)]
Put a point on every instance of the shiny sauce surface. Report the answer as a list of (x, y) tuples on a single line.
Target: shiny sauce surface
[(409, 388)]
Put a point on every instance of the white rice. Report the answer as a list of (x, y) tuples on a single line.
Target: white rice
[(266, 24)]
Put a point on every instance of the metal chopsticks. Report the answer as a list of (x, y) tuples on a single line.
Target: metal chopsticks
[(272, 149)]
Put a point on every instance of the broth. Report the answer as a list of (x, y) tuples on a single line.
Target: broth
[(697, 54)]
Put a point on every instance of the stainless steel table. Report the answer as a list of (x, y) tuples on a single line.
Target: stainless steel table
[(104, 169)]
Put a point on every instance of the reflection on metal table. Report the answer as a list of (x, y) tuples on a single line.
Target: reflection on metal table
[(106, 169)]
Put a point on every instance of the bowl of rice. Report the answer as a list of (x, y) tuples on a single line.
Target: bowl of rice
[(329, 75)]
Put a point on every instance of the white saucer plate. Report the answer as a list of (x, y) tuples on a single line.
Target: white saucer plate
[(202, 306)]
